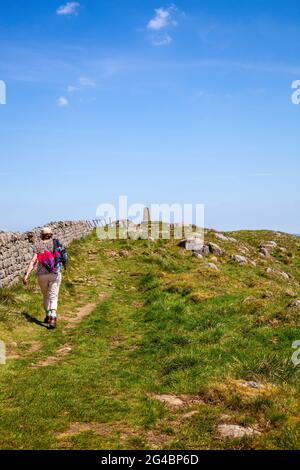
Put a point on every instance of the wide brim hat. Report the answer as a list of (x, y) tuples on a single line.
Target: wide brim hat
[(46, 231)]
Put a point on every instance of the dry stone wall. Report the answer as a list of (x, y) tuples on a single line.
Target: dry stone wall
[(16, 248)]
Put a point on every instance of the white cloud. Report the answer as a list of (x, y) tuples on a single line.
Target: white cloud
[(86, 82), (72, 89), (62, 102), (70, 8), (164, 40), (162, 18)]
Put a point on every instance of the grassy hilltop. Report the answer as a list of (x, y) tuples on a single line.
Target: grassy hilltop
[(157, 349)]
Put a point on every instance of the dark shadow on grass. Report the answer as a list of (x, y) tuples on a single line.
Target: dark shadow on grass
[(32, 319)]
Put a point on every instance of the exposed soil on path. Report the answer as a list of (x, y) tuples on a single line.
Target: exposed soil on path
[(60, 354)]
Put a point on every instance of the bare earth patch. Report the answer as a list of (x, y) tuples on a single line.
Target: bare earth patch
[(80, 314), (32, 347), (154, 438), (77, 428), (14, 353), (178, 401), (59, 355)]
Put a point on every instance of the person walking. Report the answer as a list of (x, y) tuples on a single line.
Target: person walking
[(48, 258)]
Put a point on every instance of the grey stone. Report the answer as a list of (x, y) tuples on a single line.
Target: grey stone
[(213, 266), (222, 237), (234, 431), (278, 273), (215, 249), (240, 259), (198, 255), (294, 304)]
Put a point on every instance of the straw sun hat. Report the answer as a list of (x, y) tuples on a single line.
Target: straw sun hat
[(46, 231)]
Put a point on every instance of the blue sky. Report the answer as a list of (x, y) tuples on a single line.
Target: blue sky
[(185, 102)]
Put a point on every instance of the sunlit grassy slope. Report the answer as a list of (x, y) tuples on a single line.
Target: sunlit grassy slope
[(163, 322)]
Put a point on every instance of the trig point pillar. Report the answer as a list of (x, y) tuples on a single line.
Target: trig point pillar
[(146, 216)]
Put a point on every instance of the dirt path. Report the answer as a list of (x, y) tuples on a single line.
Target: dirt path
[(66, 349), (62, 352), (80, 315)]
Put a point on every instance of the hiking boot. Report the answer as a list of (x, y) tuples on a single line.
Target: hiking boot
[(52, 323), (47, 319)]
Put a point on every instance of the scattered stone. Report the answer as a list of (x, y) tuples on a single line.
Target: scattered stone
[(177, 401), (240, 259), (234, 431), (267, 248), (250, 390), (244, 250), (193, 244), (264, 252), (225, 417), (215, 249), (198, 255), (124, 253), (222, 237), (190, 414), (252, 384), (212, 266), (249, 299), (171, 400), (271, 244), (205, 250), (278, 273), (294, 304)]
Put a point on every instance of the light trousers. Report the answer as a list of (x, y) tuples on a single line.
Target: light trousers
[(50, 284)]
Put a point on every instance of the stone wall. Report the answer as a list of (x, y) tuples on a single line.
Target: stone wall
[(16, 248)]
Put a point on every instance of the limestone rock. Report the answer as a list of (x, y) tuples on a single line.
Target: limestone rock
[(213, 266), (240, 259), (295, 304), (264, 252), (267, 248), (215, 249), (234, 431), (249, 299), (198, 255), (171, 400), (276, 272), (223, 238)]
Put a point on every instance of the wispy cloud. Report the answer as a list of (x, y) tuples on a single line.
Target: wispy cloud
[(72, 89), (163, 40), (62, 102), (87, 82), (83, 82), (162, 19), (70, 8)]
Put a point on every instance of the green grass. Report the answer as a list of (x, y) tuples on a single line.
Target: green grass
[(167, 325)]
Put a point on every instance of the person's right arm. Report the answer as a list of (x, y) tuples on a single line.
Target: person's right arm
[(30, 268)]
